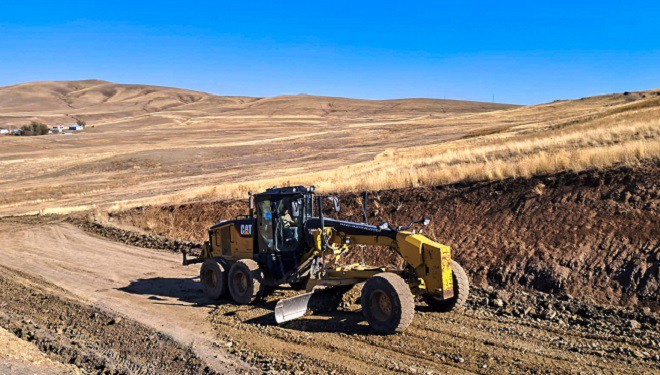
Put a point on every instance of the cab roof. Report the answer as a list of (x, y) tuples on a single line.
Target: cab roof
[(288, 190)]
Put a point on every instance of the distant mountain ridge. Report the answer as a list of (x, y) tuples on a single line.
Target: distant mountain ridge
[(57, 101)]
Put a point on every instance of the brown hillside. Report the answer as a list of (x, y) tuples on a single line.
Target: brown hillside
[(94, 100), (592, 234)]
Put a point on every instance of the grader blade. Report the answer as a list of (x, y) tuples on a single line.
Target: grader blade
[(291, 308)]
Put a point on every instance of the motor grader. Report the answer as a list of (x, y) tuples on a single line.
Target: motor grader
[(286, 239)]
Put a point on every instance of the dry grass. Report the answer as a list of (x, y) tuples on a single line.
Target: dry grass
[(621, 137), (626, 138), (217, 148)]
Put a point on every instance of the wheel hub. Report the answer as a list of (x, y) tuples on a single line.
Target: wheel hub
[(241, 282), (210, 278), (381, 305)]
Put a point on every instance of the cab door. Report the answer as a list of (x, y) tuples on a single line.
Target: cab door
[(265, 226), (288, 222)]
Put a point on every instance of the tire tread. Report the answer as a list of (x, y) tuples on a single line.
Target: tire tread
[(406, 300), (256, 276)]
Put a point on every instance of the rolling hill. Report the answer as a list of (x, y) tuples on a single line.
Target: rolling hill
[(155, 145), (95, 100)]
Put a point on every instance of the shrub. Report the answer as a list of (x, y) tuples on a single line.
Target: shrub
[(35, 128)]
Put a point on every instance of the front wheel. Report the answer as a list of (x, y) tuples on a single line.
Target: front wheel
[(387, 303), (461, 292)]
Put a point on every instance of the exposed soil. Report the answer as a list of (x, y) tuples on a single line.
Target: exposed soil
[(87, 337), (21, 357), (530, 333), (148, 241), (79, 283), (593, 234), (499, 332)]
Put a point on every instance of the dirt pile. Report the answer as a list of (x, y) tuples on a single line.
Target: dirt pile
[(149, 241), (91, 339), (593, 234), (21, 357)]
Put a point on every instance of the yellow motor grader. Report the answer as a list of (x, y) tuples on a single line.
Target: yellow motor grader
[(286, 239)]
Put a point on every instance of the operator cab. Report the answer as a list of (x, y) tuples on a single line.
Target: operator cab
[(280, 215)]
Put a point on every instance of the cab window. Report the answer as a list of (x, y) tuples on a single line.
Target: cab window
[(265, 224), (290, 217)]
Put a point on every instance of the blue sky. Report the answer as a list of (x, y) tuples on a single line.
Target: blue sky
[(519, 52)]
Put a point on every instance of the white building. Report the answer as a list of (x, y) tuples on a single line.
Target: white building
[(4, 131), (76, 127), (58, 129)]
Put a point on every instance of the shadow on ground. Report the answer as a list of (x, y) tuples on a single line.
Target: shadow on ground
[(348, 322), (185, 290), (325, 313)]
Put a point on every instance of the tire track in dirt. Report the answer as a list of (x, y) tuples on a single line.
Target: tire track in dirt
[(495, 339), (151, 286), (89, 338), (99, 272), (475, 342)]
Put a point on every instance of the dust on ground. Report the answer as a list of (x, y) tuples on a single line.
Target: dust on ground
[(142, 286), (88, 338)]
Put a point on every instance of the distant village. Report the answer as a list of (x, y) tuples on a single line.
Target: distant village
[(38, 128)]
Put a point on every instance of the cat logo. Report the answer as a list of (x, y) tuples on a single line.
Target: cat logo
[(246, 229)]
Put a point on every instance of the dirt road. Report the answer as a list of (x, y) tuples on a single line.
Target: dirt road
[(151, 287), (98, 271)]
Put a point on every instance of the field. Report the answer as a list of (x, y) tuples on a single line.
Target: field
[(149, 145), (552, 209)]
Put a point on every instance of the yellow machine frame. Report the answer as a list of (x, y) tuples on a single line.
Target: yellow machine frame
[(430, 260)]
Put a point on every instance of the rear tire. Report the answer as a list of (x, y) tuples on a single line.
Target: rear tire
[(245, 281), (387, 303), (213, 277), (461, 292)]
